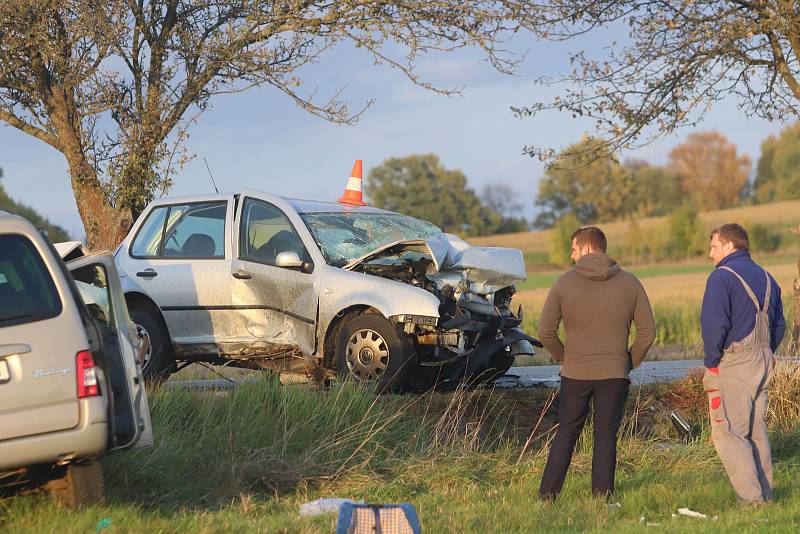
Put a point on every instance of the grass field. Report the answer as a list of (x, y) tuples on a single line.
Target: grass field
[(468, 462), (675, 292), (781, 216), (675, 289)]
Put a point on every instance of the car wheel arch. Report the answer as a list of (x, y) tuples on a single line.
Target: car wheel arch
[(140, 301), (334, 327)]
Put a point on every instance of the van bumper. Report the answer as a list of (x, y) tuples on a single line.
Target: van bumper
[(87, 440)]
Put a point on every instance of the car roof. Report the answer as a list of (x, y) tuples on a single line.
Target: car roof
[(319, 206), (299, 205), (16, 222)]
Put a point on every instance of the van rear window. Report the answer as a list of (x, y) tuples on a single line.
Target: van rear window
[(27, 292)]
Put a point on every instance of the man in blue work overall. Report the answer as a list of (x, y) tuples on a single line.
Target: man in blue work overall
[(742, 323)]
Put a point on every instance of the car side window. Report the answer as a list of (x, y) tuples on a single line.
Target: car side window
[(266, 232), (92, 284), (147, 243), (183, 231), (195, 231)]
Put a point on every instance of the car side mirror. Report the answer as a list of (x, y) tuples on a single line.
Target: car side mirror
[(289, 260)]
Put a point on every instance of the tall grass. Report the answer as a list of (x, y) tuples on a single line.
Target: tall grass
[(469, 461), (264, 436), (259, 435)]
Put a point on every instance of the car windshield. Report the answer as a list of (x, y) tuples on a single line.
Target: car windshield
[(344, 237)]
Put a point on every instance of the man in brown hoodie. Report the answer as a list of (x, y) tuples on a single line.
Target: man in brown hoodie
[(597, 301)]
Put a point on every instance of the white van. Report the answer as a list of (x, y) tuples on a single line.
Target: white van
[(71, 387)]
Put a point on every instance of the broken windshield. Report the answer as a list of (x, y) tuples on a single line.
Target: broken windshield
[(343, 237)]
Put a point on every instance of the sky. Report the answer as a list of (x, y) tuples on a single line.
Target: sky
[(261, 139)]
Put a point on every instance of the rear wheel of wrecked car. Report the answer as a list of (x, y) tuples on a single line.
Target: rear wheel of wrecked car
[(158, 361), (80, 485), (370, 350)]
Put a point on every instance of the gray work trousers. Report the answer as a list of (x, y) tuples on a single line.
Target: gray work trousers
[(738, 396)]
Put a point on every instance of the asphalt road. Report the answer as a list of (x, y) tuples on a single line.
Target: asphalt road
[(647, 373), (517, 377)]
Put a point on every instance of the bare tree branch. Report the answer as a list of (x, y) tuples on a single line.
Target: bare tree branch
[(677, 60), (29, 129)]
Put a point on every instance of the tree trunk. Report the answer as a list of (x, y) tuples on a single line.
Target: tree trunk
[(105, 225)]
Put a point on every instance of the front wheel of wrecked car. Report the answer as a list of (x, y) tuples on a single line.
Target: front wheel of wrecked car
[(370, 350), (158, 360)]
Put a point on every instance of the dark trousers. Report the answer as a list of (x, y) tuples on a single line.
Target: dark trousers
[(608, 399)]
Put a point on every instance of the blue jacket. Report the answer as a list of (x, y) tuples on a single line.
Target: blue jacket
[(728, 314)]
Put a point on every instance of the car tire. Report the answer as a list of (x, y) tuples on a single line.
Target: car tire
[(160, 362), (371, 350), (81, 485)]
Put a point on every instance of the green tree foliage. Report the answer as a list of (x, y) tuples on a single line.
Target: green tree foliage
[(634, 241), (587, 181), (685, 233), (422, 187), (778, 171), (54, 232), (505, 200), (657, 189), (561, 239), (763, 238)]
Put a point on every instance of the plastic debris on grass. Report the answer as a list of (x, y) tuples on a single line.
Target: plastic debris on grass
[(691, 513), (324, 506)]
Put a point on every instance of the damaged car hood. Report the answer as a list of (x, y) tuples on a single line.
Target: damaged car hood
[(487, 268)]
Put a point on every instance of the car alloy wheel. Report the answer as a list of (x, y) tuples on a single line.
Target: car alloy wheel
[(144, 335), (367, 355)]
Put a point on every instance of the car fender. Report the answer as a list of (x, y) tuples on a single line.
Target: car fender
[(342, 289)]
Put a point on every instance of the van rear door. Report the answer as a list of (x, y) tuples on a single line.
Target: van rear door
[(98, 284), (40, 337)]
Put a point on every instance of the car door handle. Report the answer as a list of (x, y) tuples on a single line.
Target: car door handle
[(241, 275), (147, 273), (18, 348)]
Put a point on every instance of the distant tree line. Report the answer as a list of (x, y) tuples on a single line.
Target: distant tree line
[(706, 171), (420, 186), (54, 232), (679, 236), (587, 183)]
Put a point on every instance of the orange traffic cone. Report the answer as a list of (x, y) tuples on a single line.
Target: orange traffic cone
[(352, 192)]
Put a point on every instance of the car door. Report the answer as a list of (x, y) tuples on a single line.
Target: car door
[(181, 258), (98, 285), (277, 306), (40, 336)]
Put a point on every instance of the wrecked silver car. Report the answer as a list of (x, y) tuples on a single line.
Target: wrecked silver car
[(319, 288)]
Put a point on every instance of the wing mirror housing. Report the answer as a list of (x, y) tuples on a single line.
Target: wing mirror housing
[(288, 260)]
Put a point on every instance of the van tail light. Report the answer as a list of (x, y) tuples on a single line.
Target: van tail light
[(87, 375)]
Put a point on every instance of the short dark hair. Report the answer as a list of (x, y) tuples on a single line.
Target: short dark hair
[(592, 236), (732, 233)]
